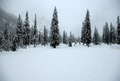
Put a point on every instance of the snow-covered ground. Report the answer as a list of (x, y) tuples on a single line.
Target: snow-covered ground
[(79, 63)]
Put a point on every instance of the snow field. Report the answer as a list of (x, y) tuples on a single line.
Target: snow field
[(79, 63)]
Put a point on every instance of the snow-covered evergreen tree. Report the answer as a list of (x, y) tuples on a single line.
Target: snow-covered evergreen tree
[(1, 38), (73, 38), (78, 40), (118, 30), (96, 37), (83, 34), (103, 36), (106, 34), (70, 40), (35, 32), (40, 37), (19, 32), (11, 37), (45, 36), (26, 30), (112, 34), (14, 45), (87, 30), (65, 38), (6, 42), (32, 35), (54, 33), (60, 38)]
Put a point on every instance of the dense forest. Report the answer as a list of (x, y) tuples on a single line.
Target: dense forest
[(24, 35)]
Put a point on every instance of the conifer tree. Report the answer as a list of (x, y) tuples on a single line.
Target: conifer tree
[(87, 30), (26, 30), (1, 38), (112, 34), (64, 40), (70, 40), (107, 34), (11, 37), (118, 30), (54, 33), (32, 35), (35, 32), (103, 36), (83, 33), (78, 39), (6, 44), (96, 37), (40, 37), (60, 38), (14, 45), (19, 32), (45, 36)]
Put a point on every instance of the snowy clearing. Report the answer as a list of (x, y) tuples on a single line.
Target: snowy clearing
[(79, 63)]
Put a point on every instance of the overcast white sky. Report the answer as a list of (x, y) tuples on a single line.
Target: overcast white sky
[(71, 13)]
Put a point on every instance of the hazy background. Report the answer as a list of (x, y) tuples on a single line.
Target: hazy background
[(71, 13)]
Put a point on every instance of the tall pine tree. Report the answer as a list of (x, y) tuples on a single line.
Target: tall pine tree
[(40, 37), (54, 33), (14, 45), (118, 30), (96, 37), (70, 40), (87, 30), (1, 37), (112, 34), (83, 34), (106, 34), (6, 42), (19, 32), (26, 30), (45, 36), (35, 31)]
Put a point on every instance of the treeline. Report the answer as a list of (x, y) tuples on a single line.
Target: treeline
[(24, 35)]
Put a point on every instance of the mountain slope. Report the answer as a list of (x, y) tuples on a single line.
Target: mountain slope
[(7, 17)]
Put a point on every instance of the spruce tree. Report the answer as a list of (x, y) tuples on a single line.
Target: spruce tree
[(14, 45), (32, 35), (60, 38), (83, 33), (107, 34), (45, 36), (35, 32), (54, 33), (64, 40), (70, 40), (87, 29), (1, 37), (118, 30), (6, 43), (11, 37), (73, 38), (112, 34), (40, 37), (103, 36), (26, 30), (96, 37), (78, 39), (19, 32)]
